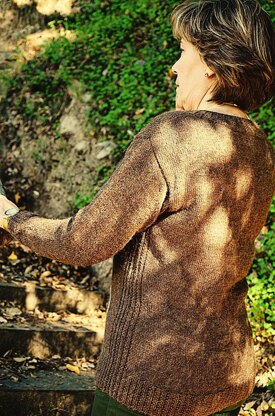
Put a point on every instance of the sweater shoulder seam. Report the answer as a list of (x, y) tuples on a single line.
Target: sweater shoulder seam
[(159, 165)]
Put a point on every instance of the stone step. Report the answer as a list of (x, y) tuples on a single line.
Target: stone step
[(30, 295), (45, 393), (45, 340)]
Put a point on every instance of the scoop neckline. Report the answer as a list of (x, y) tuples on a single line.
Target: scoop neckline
[(230, 116)]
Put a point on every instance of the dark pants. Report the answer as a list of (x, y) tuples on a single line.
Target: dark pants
[(104, 405)]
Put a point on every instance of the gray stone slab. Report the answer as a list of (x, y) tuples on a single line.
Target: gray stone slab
[(46, 403), (45, 342), (49, 394), (30, 295), (63, 381)]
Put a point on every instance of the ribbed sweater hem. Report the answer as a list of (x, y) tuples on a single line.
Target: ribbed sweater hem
[(145, 398)]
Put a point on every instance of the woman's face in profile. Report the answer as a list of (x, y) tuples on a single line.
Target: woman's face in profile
[(192, 84)]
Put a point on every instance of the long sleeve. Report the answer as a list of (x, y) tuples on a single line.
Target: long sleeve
[(128, 203)]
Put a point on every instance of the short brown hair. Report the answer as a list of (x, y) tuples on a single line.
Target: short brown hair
[(235, 38)]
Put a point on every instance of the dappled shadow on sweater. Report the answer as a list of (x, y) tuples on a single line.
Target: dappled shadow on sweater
[(189, 319)]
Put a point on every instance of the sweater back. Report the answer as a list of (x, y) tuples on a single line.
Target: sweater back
[(180, 214), (178, 340)]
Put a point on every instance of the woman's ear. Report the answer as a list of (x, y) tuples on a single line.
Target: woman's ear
[(210, 72)]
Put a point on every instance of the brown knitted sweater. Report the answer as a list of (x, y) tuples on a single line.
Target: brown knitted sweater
[(180, 215)]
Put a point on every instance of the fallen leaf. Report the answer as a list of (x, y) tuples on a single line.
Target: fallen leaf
[(13, 256), (17, 197), (249, 405), (20, 359), (28, 269), (259, 411), (85, 279), (140, 111), (11, 312), (264, 405), (73, 368), (47, 273)]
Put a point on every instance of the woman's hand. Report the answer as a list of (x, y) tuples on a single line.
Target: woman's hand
[(5, 204)]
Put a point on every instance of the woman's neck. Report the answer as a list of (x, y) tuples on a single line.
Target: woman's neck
[(226, 108)]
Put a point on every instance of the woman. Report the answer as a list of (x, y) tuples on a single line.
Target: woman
[(180, 215)]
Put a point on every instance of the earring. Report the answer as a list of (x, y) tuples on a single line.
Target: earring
[(206, 74)]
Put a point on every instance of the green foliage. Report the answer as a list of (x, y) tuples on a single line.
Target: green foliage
[(268, 6), (265, 117), (82, 199), (125, 71), (260, 300), (271, 386)]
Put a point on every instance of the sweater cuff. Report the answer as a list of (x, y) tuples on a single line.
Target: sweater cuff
[(15, 221)]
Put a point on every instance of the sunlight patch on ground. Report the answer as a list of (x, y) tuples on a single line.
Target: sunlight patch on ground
[(33, 42), (48, 7)]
